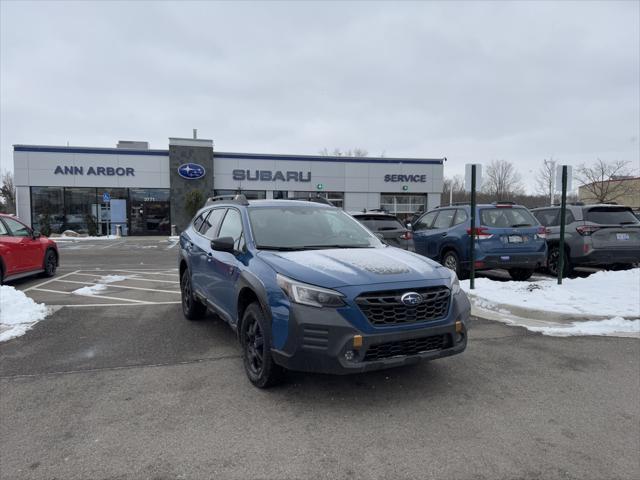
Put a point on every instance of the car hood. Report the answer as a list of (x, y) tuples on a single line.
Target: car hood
[(333, 268)]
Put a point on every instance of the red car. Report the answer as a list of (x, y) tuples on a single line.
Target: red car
[(24, 252)]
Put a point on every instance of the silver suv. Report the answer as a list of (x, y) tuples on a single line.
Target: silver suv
[(598, 235)]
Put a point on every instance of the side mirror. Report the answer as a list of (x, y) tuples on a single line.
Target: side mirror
[(36, 234), (223, 244), (409, 226)]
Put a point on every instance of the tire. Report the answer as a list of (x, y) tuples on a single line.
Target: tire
[(191, 307), (451, 260), (255, 337), (552, 262), (50, 264), (521, 274)]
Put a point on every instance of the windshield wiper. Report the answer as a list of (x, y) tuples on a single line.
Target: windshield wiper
[(278, 248), (521, 225)]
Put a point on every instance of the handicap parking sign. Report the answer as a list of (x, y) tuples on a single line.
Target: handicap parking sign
[(106, 198)]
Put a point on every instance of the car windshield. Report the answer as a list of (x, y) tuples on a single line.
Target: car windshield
[(301, 228), (611, 216), (507, 217)]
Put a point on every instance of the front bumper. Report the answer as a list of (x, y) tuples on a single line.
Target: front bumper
[(511, 260), (319, 341)]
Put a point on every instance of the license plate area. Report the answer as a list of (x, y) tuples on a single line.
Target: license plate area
[(622, 236), (514, 239)]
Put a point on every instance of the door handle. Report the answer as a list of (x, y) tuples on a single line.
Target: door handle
[(443, 234)]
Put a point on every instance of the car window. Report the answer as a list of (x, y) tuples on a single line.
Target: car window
[(197, 223), (461, 216), (17, 229), (507, 217), (444, 219), (549, 217), (210, 225), (380, 223), (232, 227), (610, 215), (3, 229), (569, 218), (425, 221)]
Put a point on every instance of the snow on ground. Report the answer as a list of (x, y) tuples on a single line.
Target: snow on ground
[(100, 285), (609, 302), (65, 238), (18, 313), (614, 325)]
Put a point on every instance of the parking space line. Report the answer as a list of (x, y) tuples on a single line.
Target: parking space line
[(49, 281), (93, 296), (152, 272), (131, 278), (120, 304), (120, 286), (111, 245)]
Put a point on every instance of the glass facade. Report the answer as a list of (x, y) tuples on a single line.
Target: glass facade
[(403, 205), (85, 211), (249, 194), (337, 198)]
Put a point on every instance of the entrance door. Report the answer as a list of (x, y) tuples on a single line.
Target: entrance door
[(149, 209)]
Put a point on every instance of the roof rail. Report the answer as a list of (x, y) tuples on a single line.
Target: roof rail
[(235, 198), (375, 210), (503, 202), (316, 199), (454, 204)]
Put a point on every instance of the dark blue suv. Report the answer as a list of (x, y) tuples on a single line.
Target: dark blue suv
[(306, 287), (507, 236)]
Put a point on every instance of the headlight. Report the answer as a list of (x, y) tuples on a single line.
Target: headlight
[(455, 283), (309, 294)]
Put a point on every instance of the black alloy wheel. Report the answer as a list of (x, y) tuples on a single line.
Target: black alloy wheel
[(256, 345), (191, 307), (553, 261), (50, 264)]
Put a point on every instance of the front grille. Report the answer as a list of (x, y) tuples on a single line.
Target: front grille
[(412, 346), (385, 308)]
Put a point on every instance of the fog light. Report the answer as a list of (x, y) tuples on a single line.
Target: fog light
[(349, 355)]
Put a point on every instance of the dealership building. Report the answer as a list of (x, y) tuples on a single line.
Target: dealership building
[(145, 191)]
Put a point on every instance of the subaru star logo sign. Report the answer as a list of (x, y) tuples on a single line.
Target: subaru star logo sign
[(411, 299), (191, 171)]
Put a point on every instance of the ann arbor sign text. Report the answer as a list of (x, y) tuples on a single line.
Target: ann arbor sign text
[(98, 171)]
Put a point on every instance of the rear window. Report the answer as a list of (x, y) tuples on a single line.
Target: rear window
[(610, 215), (378, 224), (507, 218)]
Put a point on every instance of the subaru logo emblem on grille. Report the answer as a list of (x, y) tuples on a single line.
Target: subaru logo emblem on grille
[(411, 298)]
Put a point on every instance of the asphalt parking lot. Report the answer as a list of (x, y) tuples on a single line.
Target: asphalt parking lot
[(119, 385)]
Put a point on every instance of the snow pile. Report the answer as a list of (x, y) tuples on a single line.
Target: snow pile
[(612, 326), (612, 294), (609, 302), (18, 313), (67, 238), (100, 285)]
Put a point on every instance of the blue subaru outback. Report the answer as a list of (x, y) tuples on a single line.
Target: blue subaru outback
[(306, 287), (508, 236)]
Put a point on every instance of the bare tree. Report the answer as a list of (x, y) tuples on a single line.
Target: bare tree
[(336, 152), (453, 190), (545, 179), (601, 180), (501, 180), (7, 193)]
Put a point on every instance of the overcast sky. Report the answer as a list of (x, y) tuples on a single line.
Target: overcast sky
[(519, 81)]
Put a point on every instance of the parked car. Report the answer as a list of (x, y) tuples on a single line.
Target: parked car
[(306, 287), (507, 236), (597, 235), (387, 227), (24, 252)]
